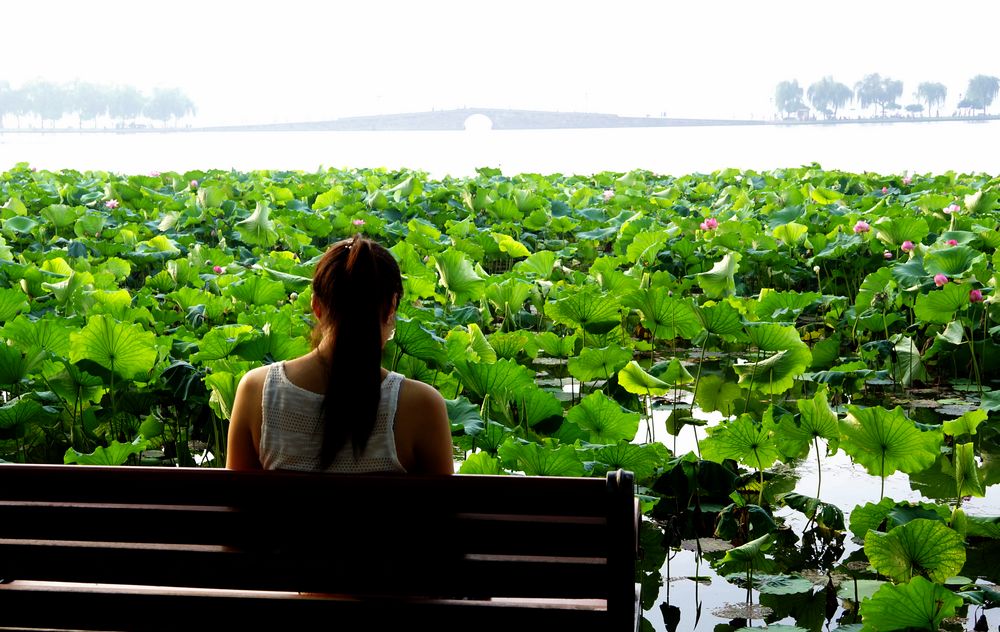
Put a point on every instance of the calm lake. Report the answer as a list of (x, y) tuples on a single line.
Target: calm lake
[(936, 147)]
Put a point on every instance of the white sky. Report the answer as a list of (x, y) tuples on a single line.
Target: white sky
[(287, 60)]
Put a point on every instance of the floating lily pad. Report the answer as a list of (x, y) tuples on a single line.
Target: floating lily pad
[(708, 545), (741, 611)]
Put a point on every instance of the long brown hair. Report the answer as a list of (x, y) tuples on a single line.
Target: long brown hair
[(358, 284)]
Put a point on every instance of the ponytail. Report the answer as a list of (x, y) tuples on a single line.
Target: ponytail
[(358, 284)]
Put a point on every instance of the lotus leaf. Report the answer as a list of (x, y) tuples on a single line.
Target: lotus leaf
[(258, 229), (714, 393), (742, 440), (966, 424), (493, 378), (939, 306), (635, 380), (124, 349), (588, 309), (722, 320), (604, 419), (115, 454), (952, 262), (884, 441), (464, 416), (719, 281), (458, 277), (481, 463), (665, 316), (598, 364), (413, 339), (48, 333), (528, 405), (917, 605), (917, 547), (541, 460)]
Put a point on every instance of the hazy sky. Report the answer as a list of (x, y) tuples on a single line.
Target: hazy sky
[(287, 60)]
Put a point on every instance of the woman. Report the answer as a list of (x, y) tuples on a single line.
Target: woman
[(336, 409)]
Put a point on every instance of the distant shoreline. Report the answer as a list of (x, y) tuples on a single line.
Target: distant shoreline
[(498, 120)]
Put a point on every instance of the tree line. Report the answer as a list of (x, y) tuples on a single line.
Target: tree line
[(827, 96), (43, 104)]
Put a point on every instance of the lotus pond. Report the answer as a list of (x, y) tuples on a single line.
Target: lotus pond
[(800, 366)]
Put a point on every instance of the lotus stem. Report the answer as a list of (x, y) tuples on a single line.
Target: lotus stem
[(975, 363), (819, 468)]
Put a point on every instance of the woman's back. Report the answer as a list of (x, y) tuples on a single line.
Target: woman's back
[(292, 429)]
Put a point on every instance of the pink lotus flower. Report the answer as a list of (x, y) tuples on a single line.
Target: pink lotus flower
[(193, 184), (112, 204), (952, 242), (358, 222), (885, 190), (711, 223), (608, 194), (907, 180), (940, 279), (954, 208), (887, 254), (907, 246), (154, 174), (217, 269), (976, 296), (703, 226), (862, 226)]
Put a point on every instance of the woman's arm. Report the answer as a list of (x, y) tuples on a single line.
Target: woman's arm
[(422, 418), (243, 449)]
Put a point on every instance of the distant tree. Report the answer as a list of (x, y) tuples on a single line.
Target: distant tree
[(788, 97), (6, 100), (169, 104), (982, 90), (933, 94), (46, 99), (126, 103), (914, 108), (880, 91), (90, 101), (828, 96)]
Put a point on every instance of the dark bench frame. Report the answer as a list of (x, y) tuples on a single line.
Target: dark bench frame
[(176, 549)]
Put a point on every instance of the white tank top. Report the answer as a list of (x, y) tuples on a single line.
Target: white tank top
[(291, 434)]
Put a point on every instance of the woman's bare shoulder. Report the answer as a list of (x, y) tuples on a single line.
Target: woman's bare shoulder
[(417, 393)]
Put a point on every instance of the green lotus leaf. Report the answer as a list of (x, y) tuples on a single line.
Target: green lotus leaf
[(646, 245), (878, 283), (674, 373), (464, 416), (48, 333), (895, 230), (641, 460), (604, 419), (256, 290), (556, 346), (494, 378), (715, 393), (781, 585), (90, 224), (791, 233), (953, 334), (918, 547), (885, 441), (963, 237), (777, 373), (785, 306), (939, 306), (857, 591), (17, 365), (419, 280), (481, 463), (967, 481), (611, 279), (952, 262), (62, 215), (966, 424), (983, 527), (665, 316), (258, 229), (511, 344), (742, 440), (510, 246), (541, 264), (222, 341), (159, 245), (223, 391), (115, 454), (816, 421), (910, 274), (598, 364), (719, 281), (75, 386), (272, 346), (458, 277), (541, 460), (750, 554), (12, 302), (509, 296), (189, 297), (722, 320), (124, 349), (528, 405), (908, 365), (918, 605), (635, 380), (19, 224), (291, 282), (824, 514), (412, 339), (594, 312), (25, 411)]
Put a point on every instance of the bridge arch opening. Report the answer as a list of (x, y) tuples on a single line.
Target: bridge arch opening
[(478, 123)]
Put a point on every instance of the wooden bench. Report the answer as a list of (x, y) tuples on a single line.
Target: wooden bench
[(103, 548)]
